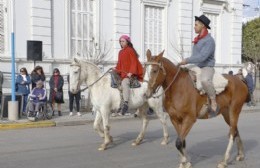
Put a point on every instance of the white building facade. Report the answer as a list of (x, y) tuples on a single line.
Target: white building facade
[(89, 28)]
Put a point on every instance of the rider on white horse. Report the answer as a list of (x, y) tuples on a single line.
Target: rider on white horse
[(127, 66)]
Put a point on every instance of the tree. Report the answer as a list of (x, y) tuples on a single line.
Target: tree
[(99, 53), (251, 41)]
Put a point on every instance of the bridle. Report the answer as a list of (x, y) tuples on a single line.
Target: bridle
[(85, 88), (164, 73)]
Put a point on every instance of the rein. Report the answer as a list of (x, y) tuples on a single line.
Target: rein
[(81, 90), (164, 73)]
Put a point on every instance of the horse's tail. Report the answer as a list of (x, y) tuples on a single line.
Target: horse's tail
[(248, 98)]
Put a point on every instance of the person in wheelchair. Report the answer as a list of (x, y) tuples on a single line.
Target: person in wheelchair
[(38, 97)]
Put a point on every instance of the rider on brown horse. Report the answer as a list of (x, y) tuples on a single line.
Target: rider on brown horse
[(203, 56)]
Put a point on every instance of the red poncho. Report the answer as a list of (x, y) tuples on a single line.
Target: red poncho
[(129, 63)]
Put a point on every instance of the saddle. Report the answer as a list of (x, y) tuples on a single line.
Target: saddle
[(116, 81)]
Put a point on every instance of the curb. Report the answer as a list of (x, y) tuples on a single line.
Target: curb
[(16, 125), (72, 123), (49, 123)]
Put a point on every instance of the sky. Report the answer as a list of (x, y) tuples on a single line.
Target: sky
[(253, 8)]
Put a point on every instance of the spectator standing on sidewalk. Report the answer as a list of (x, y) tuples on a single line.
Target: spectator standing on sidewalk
[(251, 87), (36, 75), (56, 91), (72, 97), (240, 74), (22, 84)]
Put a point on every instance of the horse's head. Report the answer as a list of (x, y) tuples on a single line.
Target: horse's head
[(155, 72), (75, 72)]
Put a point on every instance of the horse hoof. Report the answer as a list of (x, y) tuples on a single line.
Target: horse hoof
[(240, 158), (102, 147), (185, 165), (135, 143), (164, 142), (222, 165)]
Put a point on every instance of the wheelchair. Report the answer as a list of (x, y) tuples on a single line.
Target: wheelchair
[(45, 112)]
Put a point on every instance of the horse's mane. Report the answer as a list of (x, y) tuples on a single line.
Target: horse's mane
[(167, 61), (91, 63), (84, 61), (168, 64)]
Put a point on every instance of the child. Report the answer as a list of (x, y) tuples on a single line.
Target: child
[(38, 97)]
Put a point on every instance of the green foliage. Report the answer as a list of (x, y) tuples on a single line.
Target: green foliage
[(251, 40)]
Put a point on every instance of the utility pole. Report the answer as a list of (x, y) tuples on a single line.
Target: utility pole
[(13, 105)]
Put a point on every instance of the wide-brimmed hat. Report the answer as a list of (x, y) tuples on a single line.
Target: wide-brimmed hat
[(204, 20)]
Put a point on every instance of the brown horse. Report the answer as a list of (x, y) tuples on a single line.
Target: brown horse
[(183, 103)]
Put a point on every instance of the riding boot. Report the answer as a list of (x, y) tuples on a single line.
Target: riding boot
[(214, 109), (124, 107), (59, 113), (53, 113)]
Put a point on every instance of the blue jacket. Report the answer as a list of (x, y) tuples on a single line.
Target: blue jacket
[(203, 53), (23, 86)]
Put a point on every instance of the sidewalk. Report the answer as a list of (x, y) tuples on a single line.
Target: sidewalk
[(87, 117)]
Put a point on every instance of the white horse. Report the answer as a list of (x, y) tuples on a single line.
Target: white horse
[(106, 99)]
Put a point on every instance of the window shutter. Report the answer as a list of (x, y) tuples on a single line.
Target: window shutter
[(81, 27)]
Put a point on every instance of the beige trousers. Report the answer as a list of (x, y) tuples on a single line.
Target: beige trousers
[(126, 88), (207, 74)]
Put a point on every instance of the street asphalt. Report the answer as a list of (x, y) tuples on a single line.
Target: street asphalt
[(87, 117)]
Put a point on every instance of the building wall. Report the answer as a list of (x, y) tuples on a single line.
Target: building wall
[(48, 21)]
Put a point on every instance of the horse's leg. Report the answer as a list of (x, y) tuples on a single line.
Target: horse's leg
[(107, 138), (240, 148), (233, 135), (97, 124), (143, 115), (163, 118), (182, 129), (234, 131)]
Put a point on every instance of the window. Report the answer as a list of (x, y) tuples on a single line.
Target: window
[(81, 27), (153, 29), (213, 24), (214, 32), (2, 28)]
